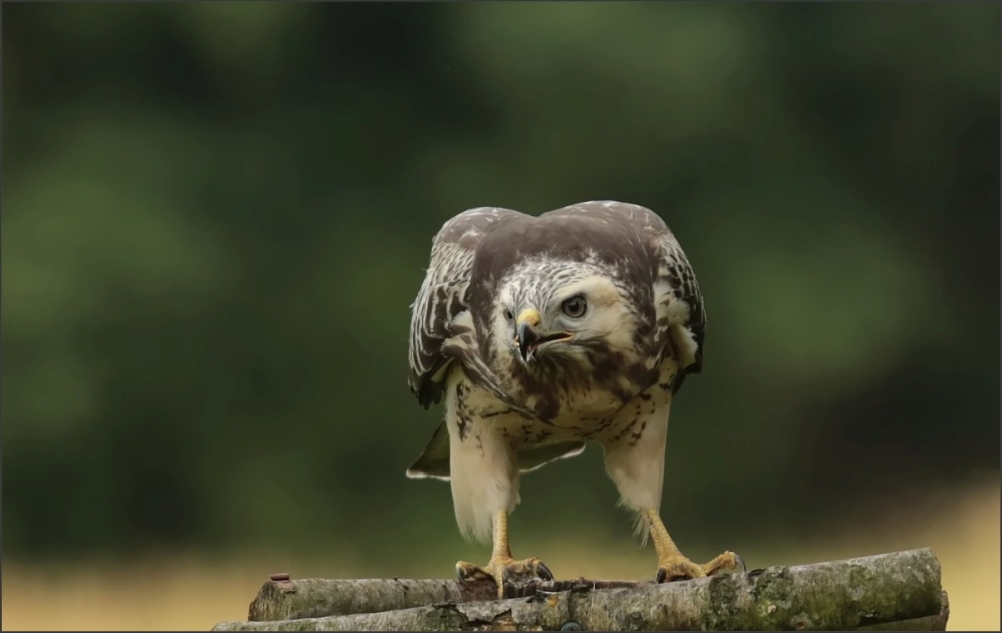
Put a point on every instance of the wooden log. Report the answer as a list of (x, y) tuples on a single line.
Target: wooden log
[(899, 591), (319, 597)]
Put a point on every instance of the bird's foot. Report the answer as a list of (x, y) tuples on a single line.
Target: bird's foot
[(678, 567), (511, 576)]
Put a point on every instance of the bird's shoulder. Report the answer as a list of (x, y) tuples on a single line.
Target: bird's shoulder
[(466, 230), (626, 214)]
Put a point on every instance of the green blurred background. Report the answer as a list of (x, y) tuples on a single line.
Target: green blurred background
[(215, 217)]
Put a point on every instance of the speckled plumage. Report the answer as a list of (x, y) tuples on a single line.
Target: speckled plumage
[(611, 382)]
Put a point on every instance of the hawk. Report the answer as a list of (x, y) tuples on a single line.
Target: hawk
[(543, 333)]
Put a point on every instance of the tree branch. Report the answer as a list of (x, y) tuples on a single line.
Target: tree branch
[(899, 591)]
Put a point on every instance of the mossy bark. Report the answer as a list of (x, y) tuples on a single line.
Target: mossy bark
[(882, 592)]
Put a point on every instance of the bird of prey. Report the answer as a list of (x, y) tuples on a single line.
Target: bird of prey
[(543, 333)]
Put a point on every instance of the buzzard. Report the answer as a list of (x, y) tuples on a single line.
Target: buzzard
[(542, 334)]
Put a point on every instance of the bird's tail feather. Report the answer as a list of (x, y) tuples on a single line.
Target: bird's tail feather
[(434, 461)]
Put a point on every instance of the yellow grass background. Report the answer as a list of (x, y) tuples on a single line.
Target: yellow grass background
[(188, 593)]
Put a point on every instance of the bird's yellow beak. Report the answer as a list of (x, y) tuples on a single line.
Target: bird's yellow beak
[(527, 331), (530, 317), (528, 335)]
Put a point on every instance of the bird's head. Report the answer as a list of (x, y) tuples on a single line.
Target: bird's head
[(561, 310)]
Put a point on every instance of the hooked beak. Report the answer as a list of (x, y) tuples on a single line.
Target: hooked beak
[(528, 336)]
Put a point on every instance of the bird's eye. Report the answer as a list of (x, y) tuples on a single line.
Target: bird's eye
[(575, 307), (507, 314)]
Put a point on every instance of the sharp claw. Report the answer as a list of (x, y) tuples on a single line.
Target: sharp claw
[(466, 572), (741, 562), (544, 572), (662, 576)]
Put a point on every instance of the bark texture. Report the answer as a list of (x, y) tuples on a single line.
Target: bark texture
[(319, 597), (899, 591)]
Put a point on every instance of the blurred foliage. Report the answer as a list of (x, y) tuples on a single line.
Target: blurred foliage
[(216, 215)]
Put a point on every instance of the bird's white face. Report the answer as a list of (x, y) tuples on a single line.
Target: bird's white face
[(546, 313)]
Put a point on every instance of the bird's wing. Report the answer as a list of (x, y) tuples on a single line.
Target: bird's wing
[(444, 296), (679, 306)]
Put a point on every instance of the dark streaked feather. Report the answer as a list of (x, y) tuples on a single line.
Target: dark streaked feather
[(679, 274), (443, 296)]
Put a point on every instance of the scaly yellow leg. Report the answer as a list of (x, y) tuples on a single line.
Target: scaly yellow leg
[(502, 567), (673, 565)]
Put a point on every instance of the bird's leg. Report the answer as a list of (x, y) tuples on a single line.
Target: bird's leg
[(509, 574), (673, 565)]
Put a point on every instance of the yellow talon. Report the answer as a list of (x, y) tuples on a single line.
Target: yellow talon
[(502, 568), (673, 565)]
